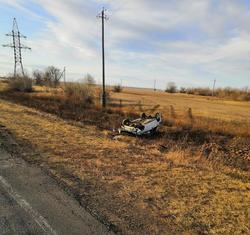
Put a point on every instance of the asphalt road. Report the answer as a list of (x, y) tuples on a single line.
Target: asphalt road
[(32, 203)]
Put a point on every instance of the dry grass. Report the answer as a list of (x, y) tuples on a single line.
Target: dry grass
[(79, 93), (19, 83), (227, 93), (186, 180), (208, 113)]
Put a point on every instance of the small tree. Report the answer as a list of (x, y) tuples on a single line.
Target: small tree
[(171, 87), (117, 88), (183, 90), (52, 76), (89, 79), (38, 76)]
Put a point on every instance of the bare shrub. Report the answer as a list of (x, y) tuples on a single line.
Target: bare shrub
[(117, 88), (190, 91), (52, 76), (203, 91), (19, 83), (171, 87), (232, 93), (245, 97), (79, 94), (89, 80), (206, 91), (227, 92), (38, 77), (183, 90)]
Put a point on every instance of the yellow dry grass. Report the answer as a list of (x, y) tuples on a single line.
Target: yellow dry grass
[(208, 112), (201, 106), (130, 182)]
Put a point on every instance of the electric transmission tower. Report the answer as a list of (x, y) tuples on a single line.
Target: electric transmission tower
[(17, 48), (104, 17)]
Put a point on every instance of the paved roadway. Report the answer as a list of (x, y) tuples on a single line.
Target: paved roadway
[(32, 203)]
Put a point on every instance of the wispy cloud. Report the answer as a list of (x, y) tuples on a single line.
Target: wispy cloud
[(190, 42)]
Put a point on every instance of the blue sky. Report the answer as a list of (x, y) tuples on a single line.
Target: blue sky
[(189, 42)]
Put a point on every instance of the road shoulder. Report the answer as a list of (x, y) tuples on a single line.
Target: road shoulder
[(45, 198)]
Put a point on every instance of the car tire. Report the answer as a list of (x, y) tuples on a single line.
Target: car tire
[(158, 117), (143, 116), (125, 122), (153, 131)]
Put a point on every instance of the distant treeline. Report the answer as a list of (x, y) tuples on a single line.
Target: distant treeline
[(228, 92)]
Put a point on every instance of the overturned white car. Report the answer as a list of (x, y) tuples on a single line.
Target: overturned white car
[(144, 125)]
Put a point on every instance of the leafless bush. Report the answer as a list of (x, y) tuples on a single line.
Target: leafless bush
[(79, 93), (235, 94), (52, 76), (20, 83), (89, 80), (171, 87), (117, 88), (228, 92), (203, 91), (183, 90), (38, 77)]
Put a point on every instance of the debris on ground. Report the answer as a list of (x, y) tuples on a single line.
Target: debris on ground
[(118, 137)]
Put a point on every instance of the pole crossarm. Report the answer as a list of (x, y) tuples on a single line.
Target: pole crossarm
[(15, 35), (25, 47), (103, 15), (8, 45)]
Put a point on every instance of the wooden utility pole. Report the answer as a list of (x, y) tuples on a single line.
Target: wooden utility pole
[(103, 16), (64, 75), (214, 87)]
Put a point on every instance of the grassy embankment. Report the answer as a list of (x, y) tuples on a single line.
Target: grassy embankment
[(193, 178)]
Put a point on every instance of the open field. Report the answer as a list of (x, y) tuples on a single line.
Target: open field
[(191, 178), (212, 107), (231, 116)]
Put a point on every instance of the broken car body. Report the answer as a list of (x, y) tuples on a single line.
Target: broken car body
[(143, 125)]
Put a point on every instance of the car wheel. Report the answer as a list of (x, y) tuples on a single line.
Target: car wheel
[(126, 122), (158, 117), (153, 131), (143, 116)]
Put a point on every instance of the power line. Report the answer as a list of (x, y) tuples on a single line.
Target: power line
[(104, 17), (17, 48)]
